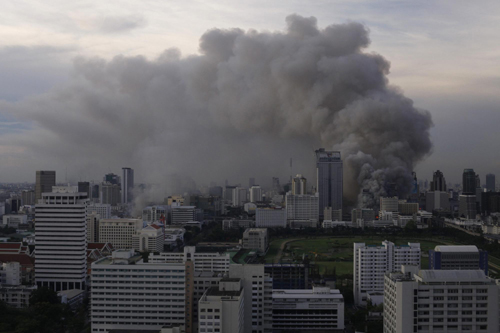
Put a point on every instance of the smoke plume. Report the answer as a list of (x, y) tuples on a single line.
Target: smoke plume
[(242, 107)]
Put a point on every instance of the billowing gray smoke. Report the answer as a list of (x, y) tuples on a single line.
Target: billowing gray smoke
[(246, 104)]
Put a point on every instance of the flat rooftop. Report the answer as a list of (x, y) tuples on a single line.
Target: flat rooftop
[(453, 276), (214, 291), (457, 248)]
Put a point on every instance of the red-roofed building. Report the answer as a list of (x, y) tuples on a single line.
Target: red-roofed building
[(105, 248), (13, 248)]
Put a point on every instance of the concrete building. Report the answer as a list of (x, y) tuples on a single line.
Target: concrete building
[(467, 206), (44, 182), (127, 185), (240, 196), (302, 207), (439, 301), (28, 198), (372, 261), (438, 183), (217, 262), (152, 214), (332, 214), (270, 218), (237, 224), (436, 200), (128, 294), (367, 215), (17, 296), (93, 220), (469, 184), (329, 171), (255, 193), (221, 308), (407, 208), (110, 194), (10, 273), (104, 210), (390, 204), (183, 214), (299, 185), (61, 239), (289, 276), (173, 236), (149, 239), (304, 310), (257, 286), (119, 232), (15, 220), (456, 257), (255, 239)]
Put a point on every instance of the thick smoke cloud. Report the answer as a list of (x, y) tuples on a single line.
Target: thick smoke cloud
[(246, 104)]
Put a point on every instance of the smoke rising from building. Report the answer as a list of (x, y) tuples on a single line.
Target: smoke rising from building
[(244, 106)]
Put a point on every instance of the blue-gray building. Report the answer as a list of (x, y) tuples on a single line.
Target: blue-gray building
[(452, 257)]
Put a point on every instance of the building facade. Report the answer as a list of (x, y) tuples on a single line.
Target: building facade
[(127, 185), (457, 257), (119, 232), (329, 172), (270, 218), (255, 239), (302, 207), (44, 182)]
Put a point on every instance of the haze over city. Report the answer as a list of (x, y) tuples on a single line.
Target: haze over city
[(89, 88)]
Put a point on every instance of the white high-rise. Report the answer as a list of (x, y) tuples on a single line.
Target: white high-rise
[(61, 239), (329, 179), (127, 185), (371, 262), (255, 193), (302, 207)]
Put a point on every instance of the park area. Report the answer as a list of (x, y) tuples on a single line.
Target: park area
[(335, 254)]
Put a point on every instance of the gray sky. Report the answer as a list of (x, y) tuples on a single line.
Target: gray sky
[(444, 55)]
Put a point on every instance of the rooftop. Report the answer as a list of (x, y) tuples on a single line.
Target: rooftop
[(456, 248), (214, 291), (453, 276)]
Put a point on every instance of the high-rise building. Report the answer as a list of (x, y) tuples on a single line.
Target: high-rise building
[(438, 182), (270, 218), (127, 185), (239, 196), (119, 232), (302, 207), (61, 239), (371, 263), (84, 187), (44, 182), (112, 179), (276, 185), (467, 206), (490, 182), (299, 185), (436, 200), (451, 257), (329, 184), (367, 215), (469, 182), (28, 197), (255, 193), (439, 301), (110, 194)]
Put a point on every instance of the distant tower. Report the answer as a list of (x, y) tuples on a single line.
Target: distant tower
[(127, 185), (299, 185), (84, 187), (44, 182), (438, 182), (490, 182), (255, 193), (112, 179), (469, 182), (329, 185)]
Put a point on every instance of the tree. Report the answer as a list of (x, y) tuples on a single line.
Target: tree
[(44, 295)]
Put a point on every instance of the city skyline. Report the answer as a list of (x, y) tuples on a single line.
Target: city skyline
[(402, 42)]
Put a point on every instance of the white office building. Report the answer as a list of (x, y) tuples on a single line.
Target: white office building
[(183, 214), (389, 205), (128, 294), (127, 185), (255, 193), (372, 261), (203, 261), (221, 308), (302, 207), (93, 220), (149, 239), (240, 196), (152, 214), (119, 232), (440, 301), (15, 220), (257, 287), (61, 239), (104, 210), (270, 218), (304, 310)]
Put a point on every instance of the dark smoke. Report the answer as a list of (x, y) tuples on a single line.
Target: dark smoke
[(241, 108)]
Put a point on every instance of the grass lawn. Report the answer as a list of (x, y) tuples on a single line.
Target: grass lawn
[(341, 267)]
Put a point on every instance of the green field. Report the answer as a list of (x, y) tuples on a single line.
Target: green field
[(337, 252)]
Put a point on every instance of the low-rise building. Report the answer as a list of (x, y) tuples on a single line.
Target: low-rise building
[(217, 262), (173, 236), (452, 257), (119, 232), (270, 218), (304, 310), (255, 239), (237, 224), (15, 220), (149, 239)]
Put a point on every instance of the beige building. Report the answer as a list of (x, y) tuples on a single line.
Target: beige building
[(255, 239), (119, 232), (407, 208)]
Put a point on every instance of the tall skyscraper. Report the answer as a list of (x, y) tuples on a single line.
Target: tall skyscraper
[(127, 185), (255, 193), (329, 179), (112, 179), (44, 182), (438, 182), (469, 182), (299, 185), (84, 187), (490, 182), (61, 239)]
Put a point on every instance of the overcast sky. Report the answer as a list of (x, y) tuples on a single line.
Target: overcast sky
[(444, 55)]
